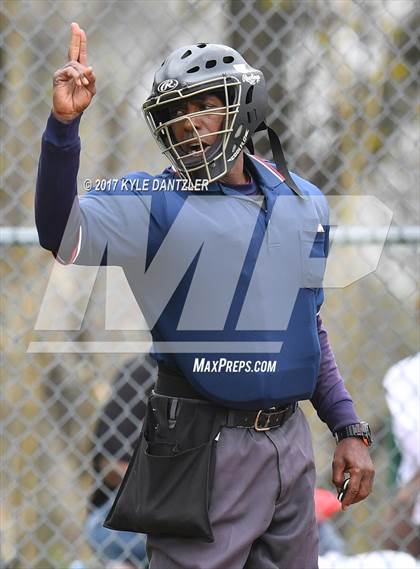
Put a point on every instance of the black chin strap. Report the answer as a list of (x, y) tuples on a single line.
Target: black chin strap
[(278, 156)]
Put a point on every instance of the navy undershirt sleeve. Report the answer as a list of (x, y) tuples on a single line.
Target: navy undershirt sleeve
[(56, 186), (331, 399)]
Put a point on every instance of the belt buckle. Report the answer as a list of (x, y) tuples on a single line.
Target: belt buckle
[(257, 418)]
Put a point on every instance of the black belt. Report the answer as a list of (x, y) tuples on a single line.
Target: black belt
[(262, 420), (171, 383)]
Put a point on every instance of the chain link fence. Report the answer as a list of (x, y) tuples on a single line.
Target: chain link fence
[(343, 94)]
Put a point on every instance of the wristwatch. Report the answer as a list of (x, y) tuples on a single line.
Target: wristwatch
[(358, 430)]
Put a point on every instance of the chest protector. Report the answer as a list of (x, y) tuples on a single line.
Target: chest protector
[(241, 323)]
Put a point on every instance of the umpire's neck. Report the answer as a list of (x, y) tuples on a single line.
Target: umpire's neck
[(236, 175)]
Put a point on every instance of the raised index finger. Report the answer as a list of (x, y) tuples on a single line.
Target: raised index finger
[(75, 39), (83, 48)]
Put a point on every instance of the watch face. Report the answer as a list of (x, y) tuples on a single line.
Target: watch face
[(367, 437), (363, 431)]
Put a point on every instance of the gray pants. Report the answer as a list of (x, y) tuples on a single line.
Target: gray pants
[(262, 505)]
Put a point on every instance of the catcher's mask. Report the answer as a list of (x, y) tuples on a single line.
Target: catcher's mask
[(209, 69)]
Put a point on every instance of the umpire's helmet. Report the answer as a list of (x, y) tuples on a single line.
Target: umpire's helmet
[(216, 69)]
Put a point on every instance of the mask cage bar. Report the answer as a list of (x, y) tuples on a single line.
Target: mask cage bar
[(197, 136)]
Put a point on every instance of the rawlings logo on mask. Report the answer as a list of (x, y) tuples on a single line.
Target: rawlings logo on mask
[(167, 85), (251, 78)]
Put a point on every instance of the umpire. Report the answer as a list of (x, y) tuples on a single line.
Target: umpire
[(229, 279)]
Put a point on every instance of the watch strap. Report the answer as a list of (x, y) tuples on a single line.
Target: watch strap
[(357, 430)]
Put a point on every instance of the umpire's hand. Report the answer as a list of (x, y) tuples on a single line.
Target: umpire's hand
[(352, 456), (73, 84)]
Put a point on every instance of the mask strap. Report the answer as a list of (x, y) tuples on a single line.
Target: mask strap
[(250, 145), (278, 156)]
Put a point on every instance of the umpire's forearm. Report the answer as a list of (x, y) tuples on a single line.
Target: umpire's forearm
[(56, 186), (331, 399)]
